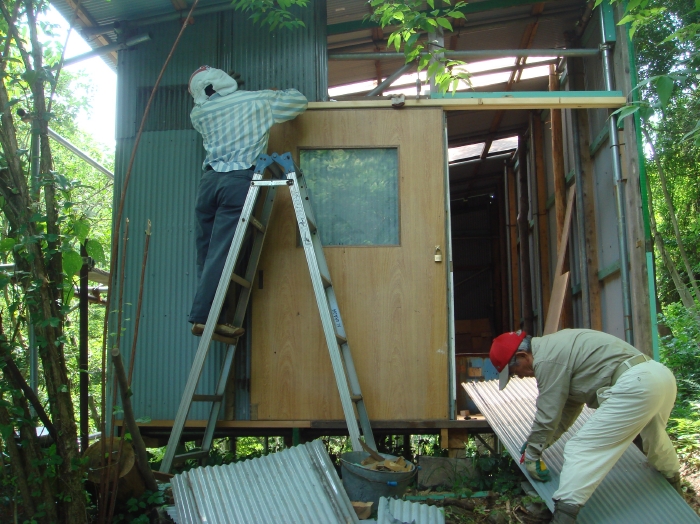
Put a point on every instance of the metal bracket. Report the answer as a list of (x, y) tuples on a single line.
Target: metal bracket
[(263, 162), (286, 161)]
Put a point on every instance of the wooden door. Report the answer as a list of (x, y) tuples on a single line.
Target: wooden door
[(393, 298)]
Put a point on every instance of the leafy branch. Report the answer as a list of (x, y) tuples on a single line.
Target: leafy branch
[(272, 13), (409, 23)]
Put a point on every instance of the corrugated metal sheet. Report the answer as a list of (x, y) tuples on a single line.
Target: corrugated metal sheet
[(395, 511), (631, 492), (297, 485)]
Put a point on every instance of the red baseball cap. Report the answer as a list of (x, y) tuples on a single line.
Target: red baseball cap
[(502, 350)]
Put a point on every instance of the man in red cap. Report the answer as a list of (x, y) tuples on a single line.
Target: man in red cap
[(632, 394)]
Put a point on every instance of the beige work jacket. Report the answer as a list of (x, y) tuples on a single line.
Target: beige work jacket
[(570, 367)]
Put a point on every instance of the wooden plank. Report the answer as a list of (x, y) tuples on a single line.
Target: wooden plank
[(513, 246), (393, 299), (556, 304), (564, 241), (475, 422), (543, 229), (589, 226), (485, 104)]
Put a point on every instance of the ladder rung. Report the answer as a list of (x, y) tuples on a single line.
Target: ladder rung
[(240, 280), (256, 224), (326, 281), (192, 455), (356, 398), (207, 398), (341, 339)]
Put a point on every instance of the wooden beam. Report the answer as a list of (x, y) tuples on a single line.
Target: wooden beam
[(556, 305), (87, 21), (484, 102), (513, 246), (523, 231), (564, 241), (559, 181), (542, 224), (589, 226)]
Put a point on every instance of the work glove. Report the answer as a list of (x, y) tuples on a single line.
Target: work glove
[(536, 468)]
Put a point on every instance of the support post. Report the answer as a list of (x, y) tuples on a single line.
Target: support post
[(523, 230), (559, 184), (542, 227), (513, 247)]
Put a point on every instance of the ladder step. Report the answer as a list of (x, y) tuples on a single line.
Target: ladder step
[(256, 224), (192, 455), (356, 398), (341, 339), (207, 398), (240, 281)]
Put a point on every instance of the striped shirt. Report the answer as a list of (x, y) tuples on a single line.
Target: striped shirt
[(235, 128)]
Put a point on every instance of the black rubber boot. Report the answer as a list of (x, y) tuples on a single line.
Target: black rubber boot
[(675, 481), (564, 513)]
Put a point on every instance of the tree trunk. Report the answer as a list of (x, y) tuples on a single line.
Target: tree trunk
[(672, 215)]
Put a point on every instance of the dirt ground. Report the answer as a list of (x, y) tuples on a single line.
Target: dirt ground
[(494, 509)]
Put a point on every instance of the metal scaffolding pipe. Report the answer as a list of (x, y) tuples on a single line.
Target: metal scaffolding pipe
[(108, 49), (391, 79), (485, 53), (74, 149), (619, 194)]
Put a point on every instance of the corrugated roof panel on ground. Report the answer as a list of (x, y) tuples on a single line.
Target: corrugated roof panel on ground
[(297, 485), (632, 492), (392, 511)]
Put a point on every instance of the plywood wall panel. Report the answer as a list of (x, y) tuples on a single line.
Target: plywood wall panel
[(393, 299)]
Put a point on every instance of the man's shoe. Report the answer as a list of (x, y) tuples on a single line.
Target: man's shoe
[(565, 513), (224, 330), (675, 481)]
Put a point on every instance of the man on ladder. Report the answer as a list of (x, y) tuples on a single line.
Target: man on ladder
[(235, 127)]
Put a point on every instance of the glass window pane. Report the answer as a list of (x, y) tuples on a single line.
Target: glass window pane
[(355, 194)]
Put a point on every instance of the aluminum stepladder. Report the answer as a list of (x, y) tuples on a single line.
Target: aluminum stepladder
[(341, 358)]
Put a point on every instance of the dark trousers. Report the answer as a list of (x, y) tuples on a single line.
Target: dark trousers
[(219, 204)]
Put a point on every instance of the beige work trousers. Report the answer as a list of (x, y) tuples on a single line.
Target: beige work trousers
[(639, 403)]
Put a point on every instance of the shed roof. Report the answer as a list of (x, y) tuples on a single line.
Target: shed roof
[(490, 24)]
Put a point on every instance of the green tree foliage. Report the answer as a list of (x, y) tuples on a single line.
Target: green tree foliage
[(45, 214), (410, 23)]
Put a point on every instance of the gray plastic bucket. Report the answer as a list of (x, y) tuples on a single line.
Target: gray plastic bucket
[(366, 485)]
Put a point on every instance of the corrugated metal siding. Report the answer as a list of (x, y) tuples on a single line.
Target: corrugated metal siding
[(391, 511), (279, 59), (297, 485), (631, 492), (162, 188), (165, 177)]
